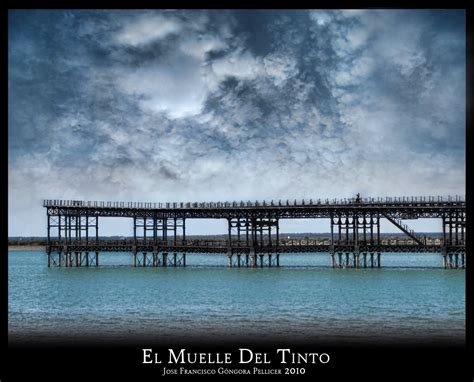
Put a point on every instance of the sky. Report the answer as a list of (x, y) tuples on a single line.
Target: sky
[(217, 105)]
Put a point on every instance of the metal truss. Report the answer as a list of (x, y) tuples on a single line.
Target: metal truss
[(253, 237)]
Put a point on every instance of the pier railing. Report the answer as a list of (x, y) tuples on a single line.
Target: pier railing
[(402, 200)]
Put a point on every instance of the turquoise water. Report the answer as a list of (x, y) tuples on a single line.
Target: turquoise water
[(409, 298)]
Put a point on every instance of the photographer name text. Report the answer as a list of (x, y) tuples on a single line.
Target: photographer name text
[(244, 356)]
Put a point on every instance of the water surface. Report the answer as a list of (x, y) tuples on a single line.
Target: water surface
[(409, 298)]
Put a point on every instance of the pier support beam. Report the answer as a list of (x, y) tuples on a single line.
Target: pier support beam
[(229, 258), (277, 259), (165, 259), (444, 253), (97, 259), (253, 258), (356, 248), (155, 256)]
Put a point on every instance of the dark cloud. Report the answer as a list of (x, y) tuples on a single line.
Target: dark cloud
[(244, 104)]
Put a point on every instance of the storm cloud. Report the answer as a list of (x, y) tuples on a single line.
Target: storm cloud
[(190, 105)]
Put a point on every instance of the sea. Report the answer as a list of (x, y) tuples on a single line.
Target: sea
[(410, 299)]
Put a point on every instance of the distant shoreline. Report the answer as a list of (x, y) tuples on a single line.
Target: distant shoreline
[(26, 248)]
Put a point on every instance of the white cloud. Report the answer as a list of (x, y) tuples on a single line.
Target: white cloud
[(280, 67), (358, 37), (401, 48), (199, 47), (321, 18), (240, 64), (146, 29), (406, 54), (354, 72), (178, 87), (179, 84)]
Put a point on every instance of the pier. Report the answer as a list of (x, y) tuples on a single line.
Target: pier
[(253, 235)]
